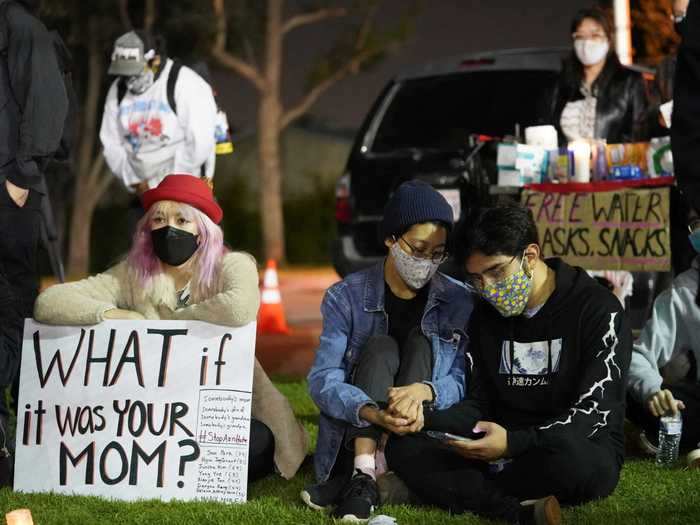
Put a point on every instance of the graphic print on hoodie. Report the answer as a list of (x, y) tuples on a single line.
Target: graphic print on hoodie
[(562, 371), (144, 139)]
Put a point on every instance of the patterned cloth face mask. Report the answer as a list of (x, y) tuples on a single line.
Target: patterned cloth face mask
[(510, 295), (415, 272)]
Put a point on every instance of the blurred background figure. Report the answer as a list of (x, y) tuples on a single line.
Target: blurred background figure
[(685, 130), (33, 112), (159, 117), (665, 75)]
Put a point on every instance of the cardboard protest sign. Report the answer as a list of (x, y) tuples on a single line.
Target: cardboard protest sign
[(136, 409), (613, 230)]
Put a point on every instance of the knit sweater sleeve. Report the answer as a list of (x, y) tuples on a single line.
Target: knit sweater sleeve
[(237, 303), (82, 302)]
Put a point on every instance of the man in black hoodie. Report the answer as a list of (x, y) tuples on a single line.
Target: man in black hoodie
[(550, 349)]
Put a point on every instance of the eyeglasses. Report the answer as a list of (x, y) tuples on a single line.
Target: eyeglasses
[(596, 37), (476, 281), (437, 257)]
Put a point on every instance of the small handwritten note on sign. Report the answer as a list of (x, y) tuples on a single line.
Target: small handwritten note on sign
[(136, 409), (615, 230)]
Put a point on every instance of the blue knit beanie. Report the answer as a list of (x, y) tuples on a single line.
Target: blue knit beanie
[(415, 202)]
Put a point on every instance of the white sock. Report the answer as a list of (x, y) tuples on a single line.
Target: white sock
[(365, 463)]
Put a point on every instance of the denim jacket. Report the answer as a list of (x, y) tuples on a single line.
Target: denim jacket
[(353, 311)]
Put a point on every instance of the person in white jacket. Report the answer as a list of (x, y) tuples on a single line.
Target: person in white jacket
[(144, 137), (671, 334)]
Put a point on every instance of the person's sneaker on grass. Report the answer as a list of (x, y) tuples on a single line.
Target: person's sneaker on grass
[(543, 511), (358, 499), (693, 459), (321, 496)]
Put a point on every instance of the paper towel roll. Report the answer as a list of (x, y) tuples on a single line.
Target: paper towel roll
[(545, 136)]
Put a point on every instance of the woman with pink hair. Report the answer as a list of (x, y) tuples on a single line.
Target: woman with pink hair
[(179, 268)]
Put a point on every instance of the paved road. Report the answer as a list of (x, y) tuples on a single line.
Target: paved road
[(302, 291)]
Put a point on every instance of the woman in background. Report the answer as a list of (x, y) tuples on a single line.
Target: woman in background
[(596, 97)]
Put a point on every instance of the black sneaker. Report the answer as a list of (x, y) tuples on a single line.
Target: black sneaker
[(543, 511), (320, 496), (358, 499)]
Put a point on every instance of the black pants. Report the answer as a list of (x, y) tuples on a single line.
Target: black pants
[(6, 460), (689, 393), (575, 470), (261, 451), (381, 366), (20, 235)]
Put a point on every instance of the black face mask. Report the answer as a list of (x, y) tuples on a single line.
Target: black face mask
[(173, 246)]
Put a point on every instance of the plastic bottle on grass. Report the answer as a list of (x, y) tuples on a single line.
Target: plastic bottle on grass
[(670, 428)]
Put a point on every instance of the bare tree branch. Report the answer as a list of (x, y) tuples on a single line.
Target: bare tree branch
[(124, 15), (227, 59), (312, 18), (149, 16), (352, 66), (366, 27)]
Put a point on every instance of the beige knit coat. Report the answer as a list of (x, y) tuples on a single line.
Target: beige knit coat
[(235, 304)]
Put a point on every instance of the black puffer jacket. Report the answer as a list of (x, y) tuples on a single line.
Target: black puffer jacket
[(622, 107), (33, 100)]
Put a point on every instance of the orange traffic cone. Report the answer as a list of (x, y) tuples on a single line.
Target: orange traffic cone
[(271, 319)]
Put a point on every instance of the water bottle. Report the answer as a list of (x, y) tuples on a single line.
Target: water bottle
[(670, 428)]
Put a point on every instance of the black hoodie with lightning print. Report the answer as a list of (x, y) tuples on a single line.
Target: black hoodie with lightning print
[(561, 371)]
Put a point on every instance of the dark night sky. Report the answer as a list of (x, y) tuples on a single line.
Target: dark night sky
[(444, 28)]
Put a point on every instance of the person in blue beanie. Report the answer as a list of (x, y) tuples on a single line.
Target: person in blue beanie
[(393, 341)]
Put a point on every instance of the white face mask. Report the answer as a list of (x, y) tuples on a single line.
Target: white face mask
[(138, 84), (415, 272), (591, 52)]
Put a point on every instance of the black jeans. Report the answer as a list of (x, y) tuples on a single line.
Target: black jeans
[(261, 452), (689, 393), (574, 469), (383, 365), (6, 460)]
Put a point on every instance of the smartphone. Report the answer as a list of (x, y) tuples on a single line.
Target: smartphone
[(444, 436)]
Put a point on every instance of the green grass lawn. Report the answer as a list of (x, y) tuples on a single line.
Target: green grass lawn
[(646, 494)]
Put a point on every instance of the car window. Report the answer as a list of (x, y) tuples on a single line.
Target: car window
[(440, 112)]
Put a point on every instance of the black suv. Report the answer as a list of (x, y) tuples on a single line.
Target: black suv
[(433, 123)]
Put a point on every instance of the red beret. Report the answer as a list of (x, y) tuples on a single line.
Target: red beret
[(187, 189)]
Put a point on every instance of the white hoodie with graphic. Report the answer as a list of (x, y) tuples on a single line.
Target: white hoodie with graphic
[(144, 140)]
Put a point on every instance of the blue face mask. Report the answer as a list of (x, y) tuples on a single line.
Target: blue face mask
[(694, 239)]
